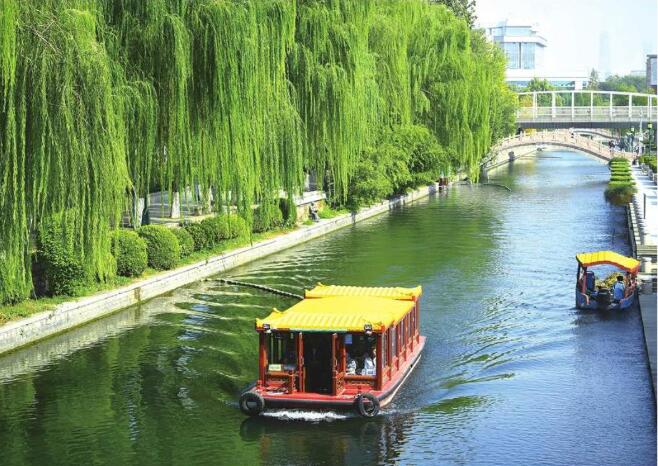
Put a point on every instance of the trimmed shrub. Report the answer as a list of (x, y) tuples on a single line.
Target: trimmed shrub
[(62, 271), (238, 227), (162, 246), (619, 195), (185, 241), (613, 184), (198, 234), (130, 253), (216, 229), (267, 216)]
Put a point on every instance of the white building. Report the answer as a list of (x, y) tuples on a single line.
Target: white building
[(524, 48)]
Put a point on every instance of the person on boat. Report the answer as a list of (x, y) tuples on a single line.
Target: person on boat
[(290, 360), (369, 363), (351, 365), (618, 289)]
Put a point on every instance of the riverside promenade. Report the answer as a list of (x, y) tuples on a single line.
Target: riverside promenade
[(643, 223)]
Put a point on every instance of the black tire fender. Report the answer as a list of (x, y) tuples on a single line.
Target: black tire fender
[(367, 405), (251, 403)]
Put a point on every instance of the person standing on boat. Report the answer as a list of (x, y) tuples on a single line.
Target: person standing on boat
[(618, 289)]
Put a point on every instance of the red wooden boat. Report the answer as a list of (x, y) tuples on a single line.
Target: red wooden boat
[(342, 347)]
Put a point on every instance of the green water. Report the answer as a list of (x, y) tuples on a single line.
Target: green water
[(512, 373)]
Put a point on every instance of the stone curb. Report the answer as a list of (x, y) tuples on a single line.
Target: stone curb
[(65, 316)]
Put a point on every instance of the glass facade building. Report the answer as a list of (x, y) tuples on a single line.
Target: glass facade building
[(523, 47)]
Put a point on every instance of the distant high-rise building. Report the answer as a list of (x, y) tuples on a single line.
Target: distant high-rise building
[(524, 49), (604, 55)]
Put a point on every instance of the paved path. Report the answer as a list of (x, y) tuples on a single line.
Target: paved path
[(645, 210), (646, 191)]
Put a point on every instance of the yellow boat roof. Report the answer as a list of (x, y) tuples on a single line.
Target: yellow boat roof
[(338, 314), (326, 291), (589, 259)]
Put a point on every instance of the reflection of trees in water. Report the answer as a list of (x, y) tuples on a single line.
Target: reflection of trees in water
[(349, 441)]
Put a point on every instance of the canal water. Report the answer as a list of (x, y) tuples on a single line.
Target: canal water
[(512, 373)]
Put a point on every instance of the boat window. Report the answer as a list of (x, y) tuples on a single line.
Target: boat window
[(394, 341), (360, 353), (281, 352)]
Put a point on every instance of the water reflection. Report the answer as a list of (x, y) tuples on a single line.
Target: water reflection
[(510, 366)]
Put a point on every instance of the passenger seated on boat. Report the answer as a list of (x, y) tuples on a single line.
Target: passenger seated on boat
[(618, 289), (369, 364), (350, 368), (290, 361), (630, 289)]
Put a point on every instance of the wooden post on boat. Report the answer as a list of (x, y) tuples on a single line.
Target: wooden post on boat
[(380, 359), (301, 370), (262, 358)]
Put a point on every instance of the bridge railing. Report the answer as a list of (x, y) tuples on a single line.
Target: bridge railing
[(585, 113), (547, 106), (561, 137)]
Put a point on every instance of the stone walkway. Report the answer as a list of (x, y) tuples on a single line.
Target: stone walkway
[(646, 196), (645, 210)]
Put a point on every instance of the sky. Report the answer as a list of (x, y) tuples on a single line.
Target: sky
[(575, 29)]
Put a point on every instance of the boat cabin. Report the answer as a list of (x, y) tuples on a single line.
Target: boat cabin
[(591, 296), (336, 344)]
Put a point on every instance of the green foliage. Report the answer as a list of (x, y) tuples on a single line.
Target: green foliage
[(216, 230), (162, 246), (288, 210), (62, 270), (130, 253), (102, 100), (238, 227), (619, 194), (649, 160), (267, 216), (185, 241), (198, 234)]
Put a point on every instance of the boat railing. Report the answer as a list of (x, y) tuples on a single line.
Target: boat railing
[(282, 380)]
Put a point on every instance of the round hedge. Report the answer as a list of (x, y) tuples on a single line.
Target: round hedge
[(198, 234), (185, 241), (267, 217), (162, 246), (130, 253), (217, 230), (60, 269)]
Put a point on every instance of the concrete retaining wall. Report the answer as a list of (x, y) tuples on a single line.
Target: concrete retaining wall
[(67, 315)]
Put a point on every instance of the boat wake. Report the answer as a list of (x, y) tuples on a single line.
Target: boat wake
[(306, 416)]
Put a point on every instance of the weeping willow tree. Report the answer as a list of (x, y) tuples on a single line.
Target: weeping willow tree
[(333, 73), (104, 101)]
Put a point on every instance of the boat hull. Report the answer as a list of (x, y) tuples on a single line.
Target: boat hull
[(582, 303), (345, 400)]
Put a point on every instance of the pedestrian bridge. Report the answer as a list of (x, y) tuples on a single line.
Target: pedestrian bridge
[(514, 147), (585, 109)]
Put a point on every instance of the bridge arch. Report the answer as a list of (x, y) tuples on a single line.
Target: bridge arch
[(512, 147)]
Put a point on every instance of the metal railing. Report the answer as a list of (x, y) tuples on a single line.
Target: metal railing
[(638, 107)]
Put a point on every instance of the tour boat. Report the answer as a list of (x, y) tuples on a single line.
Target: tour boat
[(341, 347), (589, 296)]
